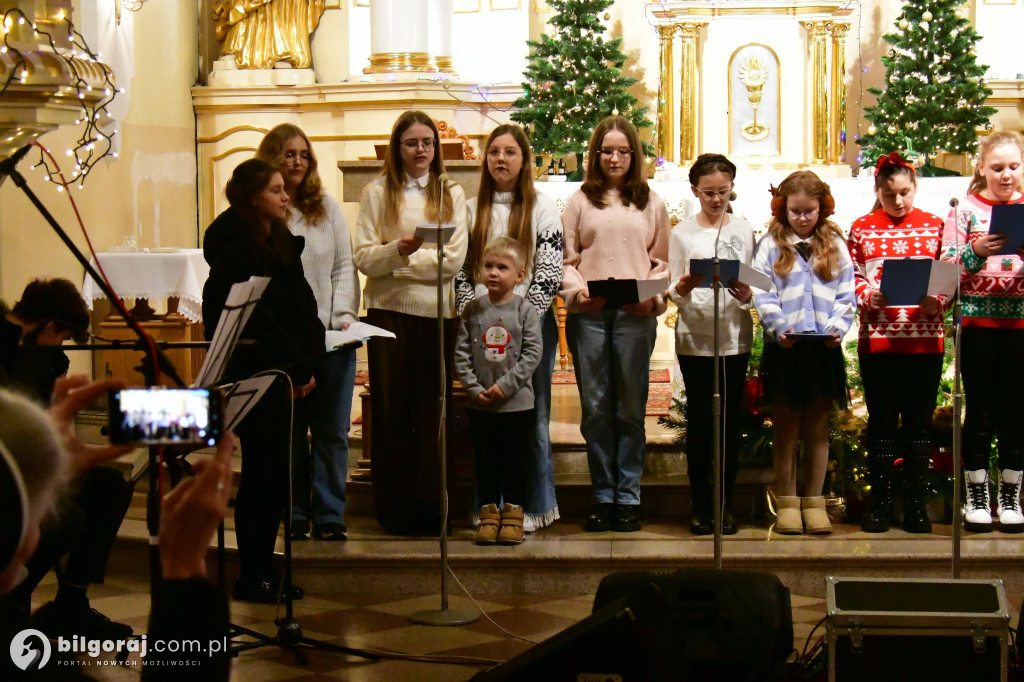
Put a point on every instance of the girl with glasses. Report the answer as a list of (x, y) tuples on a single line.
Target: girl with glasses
[(992, 297), (318, 486), (900, 347), (509, 206), (401, 296), (805, 316), (615, 227), (711, 179)]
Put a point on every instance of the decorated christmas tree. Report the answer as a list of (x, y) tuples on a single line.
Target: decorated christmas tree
[(575, 79), (935, 95)]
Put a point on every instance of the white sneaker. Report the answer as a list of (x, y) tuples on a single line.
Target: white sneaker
[(1011, 519), (977, 509), (530, 523)]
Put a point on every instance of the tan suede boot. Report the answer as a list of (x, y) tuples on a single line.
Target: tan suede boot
[(490, 520), (511, 532), (788, 521), (815, 517)]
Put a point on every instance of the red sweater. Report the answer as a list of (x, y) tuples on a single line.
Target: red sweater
[(874, 238)]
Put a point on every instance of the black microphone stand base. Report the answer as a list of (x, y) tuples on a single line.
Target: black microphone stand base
[(445, 617), (289, 636)]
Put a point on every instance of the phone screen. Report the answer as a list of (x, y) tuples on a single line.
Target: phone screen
[(165, 416)]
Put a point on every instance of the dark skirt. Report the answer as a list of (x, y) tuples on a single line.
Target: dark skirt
[(803, 373)]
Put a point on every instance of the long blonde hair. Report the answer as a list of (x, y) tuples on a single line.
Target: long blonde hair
[(978, 182), (394, 173), (824, 251), (524, 196), (309, 195)]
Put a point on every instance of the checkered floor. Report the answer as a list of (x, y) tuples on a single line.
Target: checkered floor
[(511, 625)]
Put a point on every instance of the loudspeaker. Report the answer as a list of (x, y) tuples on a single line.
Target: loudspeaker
[(694, 625)]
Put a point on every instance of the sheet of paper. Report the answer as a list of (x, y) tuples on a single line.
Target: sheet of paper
[(943, 278), (428, 233), (754, 278), (649, 288), (356, 333)]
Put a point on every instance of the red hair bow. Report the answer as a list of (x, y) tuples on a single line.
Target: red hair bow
[(892, 159)]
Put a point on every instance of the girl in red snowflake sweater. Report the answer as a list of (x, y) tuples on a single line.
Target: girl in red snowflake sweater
[(992, 297), (900, 347)]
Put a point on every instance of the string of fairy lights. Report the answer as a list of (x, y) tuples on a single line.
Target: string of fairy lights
[(95, 142)]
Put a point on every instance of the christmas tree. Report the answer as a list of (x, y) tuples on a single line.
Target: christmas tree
[(575, 79), (935, 98)]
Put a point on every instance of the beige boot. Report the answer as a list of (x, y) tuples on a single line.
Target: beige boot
[(490, 520), (788, 521), (815, 517), (511, 532)]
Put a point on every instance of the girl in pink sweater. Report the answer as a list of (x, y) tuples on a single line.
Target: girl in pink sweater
[(615, 227)]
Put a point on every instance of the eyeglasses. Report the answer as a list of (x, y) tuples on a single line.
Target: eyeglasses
[(710, 194), (291, 156), (612, 152), (510, 153), (796, 215), (413, 145)]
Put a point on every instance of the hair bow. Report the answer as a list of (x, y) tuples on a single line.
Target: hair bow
[(892, 159)]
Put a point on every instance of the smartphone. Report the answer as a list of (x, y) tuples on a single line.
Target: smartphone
[(166, 416)]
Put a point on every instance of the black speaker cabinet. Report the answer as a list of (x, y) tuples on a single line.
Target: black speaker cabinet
[(693, 625), (911, 630)]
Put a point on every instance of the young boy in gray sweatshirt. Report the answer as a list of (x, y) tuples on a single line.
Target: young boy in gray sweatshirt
[(496, 352)]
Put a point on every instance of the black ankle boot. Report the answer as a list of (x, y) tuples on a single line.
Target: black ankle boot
[(881, 468), (915, 487)]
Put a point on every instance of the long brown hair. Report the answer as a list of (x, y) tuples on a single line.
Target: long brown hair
[(824, 252), (394, 173), (247, 180), (309, 195), (978, 182), (524, 196), (634, 190)]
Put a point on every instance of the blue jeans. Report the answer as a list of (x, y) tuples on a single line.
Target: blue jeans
[(328, 415), (539, 499), (611, 353)]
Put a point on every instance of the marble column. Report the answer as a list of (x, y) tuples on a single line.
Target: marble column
[(690, 34), (666, 95), (439, 34), (399, 37), (837, 119), (818, 31)]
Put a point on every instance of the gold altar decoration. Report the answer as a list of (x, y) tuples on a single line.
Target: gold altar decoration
[(689, 32), (818, 32), (387, 62), (263, 33), (446, 131), (753, 75), (666, 103), (837, 119)]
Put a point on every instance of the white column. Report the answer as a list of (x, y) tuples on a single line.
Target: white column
[(439, 34), (399, 36)]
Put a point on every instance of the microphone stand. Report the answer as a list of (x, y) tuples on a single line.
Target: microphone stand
[(716, 398), (444, 615), (958, 398)]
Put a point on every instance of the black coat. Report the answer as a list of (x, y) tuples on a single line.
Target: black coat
[(285, 325)]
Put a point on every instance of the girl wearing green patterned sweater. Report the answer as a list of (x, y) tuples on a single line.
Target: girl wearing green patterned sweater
[(992, 295)]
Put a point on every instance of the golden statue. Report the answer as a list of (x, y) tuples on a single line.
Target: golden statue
[(263, 33), (754, 75)]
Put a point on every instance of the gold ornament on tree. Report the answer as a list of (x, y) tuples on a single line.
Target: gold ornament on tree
[(927, 16), (754, 75), (264, 34), (872, 130)]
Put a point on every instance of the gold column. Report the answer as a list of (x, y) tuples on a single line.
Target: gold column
[(837, 118), (690, 34), (818, 31), (666, 98)]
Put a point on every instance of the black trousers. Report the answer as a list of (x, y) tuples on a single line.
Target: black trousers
[(502, 454), (263, 484), (992, 363), (699, 380), (900, 388), (405, 387)]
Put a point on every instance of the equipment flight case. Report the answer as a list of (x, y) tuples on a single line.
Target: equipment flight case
[(911, 630)]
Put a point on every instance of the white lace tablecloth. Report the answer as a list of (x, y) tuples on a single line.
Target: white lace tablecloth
[(154, 276)]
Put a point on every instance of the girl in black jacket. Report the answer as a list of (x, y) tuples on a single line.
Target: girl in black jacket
[(252, 238)]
